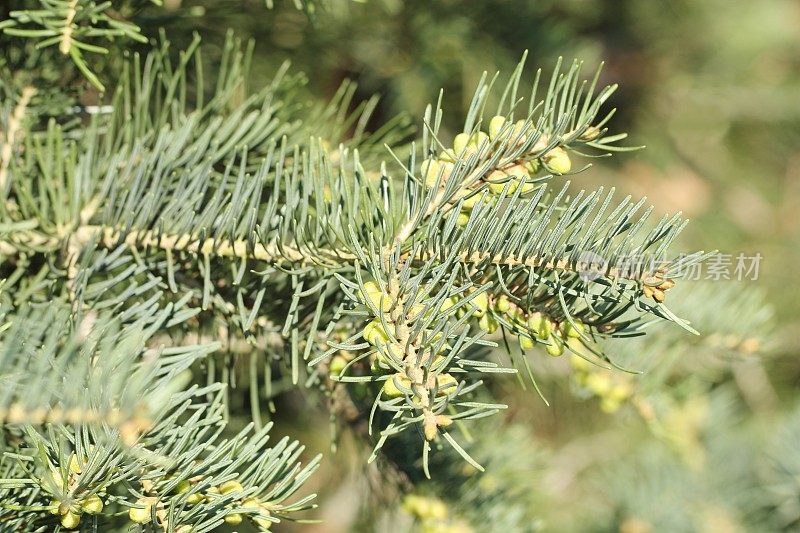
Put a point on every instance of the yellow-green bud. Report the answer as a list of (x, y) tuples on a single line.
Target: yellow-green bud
[(577, 346), (502, 304), (487, 323), (230, 486), (460, 143), (74, 465), (539, 324), (462, 220), (575, 330), (71, 520), (526, 343), (497, 180), (446, 384), (263, 523), (555, 346), (373, 294), (447, 156), (532, 166), (233, 519), (470, 201), (194, 498), (92, 505), (481, 302), (251, 502), (447, 303), (430, 171), (391, 387), (140, 515), (479, 139), (557, 160), (374, 333), (496, 125), (517, 171), (392, 348), (337, 365)]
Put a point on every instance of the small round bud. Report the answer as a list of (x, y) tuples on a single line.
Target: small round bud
[(502, 304), (576, 345), (470, 201), (71, 520), (373, 294), (481, 302), (447, 156), (195, 498), (589, 134), (447, 303), (573, 329), (496, 125), (532, 166), (141, 514), (430, 171), (488, 323), (517, 171), (233, 519), (446, 384), (74, 465), (337, 365), (392, 386), (462, 220), (263, 523), (557, 160), (460, 143), (555, 346), (526, 343), (92, 505), (251, 502), (479, 140), (374, 333), (230, 486)]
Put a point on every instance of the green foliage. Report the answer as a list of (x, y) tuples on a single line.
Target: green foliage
[(186, 249)]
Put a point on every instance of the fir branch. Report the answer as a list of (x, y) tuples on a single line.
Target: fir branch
[(13, 129)]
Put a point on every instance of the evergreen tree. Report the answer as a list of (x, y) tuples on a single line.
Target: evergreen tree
[(182, 247)]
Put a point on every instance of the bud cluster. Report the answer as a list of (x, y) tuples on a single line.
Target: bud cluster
[(532, 326), (509, 177), (70, 509), (655, 286), (411, 368), (142, 512)]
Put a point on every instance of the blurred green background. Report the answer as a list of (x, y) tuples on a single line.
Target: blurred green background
[(712, 88)]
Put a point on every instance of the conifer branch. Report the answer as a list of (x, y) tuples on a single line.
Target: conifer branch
[(66, 32), (13, 130)]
